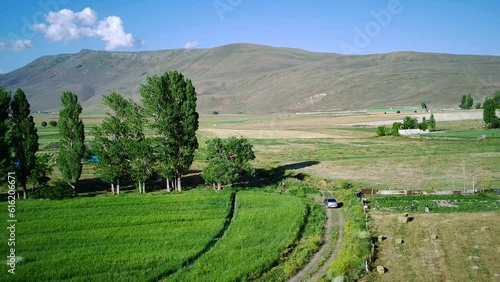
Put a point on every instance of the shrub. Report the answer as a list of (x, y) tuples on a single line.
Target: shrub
[(57, 191), (381, 131)]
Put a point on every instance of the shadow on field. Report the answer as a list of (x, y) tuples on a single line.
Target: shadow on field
[(272, 176)]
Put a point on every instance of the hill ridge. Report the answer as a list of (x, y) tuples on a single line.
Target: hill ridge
[(252, 78)]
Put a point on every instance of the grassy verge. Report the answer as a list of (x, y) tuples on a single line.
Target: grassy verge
[(305, 248), (356, 243)]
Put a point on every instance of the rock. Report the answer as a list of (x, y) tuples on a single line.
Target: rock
[(434, 237), (403, 219), (399, 241), (485, 228), (338, 279), (474, 267), (380, 269), (404, 215), (473, 257), (497, 275), (381, 238)]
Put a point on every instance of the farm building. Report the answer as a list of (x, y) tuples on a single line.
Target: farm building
[(396, 111)]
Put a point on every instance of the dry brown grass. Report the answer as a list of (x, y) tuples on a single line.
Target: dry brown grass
[(465, 241)]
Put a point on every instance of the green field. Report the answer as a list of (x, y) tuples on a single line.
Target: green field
[(113, 238), (263, 226), (437, 203), (143, 238)]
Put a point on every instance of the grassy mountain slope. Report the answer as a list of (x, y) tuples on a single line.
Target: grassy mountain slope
[(261, 79)]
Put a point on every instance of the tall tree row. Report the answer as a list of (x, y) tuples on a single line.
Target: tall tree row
[(71, 139), (170, 103), (24, 139), (5, 162)]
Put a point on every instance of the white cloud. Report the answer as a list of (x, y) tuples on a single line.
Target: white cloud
[(15, 45), (21, 44), (67, 25), (191, 44)]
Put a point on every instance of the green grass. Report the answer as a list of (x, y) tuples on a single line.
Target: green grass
[(437, 203), (264, 224), (127, 238), (491, 133)]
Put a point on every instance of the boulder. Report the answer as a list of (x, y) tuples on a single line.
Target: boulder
[(380, 269), (434, 237), (381, 238), (399, 241), (474, 267), (485, 228)]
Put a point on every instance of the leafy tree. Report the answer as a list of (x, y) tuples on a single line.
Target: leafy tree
[(53, 123), (170, 103), (5, 162), (496, 99), (71, 139), (423, 106), (395, 128), (489, 114), (40, 175), (381, 131), (43, 124), (463, 102), (467, 102), (24, 138), (141, 162), (113, 137), (432, 123), (423, 125), (409, 123), (228, 159), (477, 105)]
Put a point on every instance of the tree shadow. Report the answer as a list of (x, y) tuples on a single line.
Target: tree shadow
[(265, 177)]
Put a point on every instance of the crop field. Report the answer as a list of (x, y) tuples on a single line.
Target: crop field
[(437, 203), (263, 226), (437, 247), (113, 238)]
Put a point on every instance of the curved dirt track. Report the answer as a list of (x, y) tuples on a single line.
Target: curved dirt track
[(334, 219)]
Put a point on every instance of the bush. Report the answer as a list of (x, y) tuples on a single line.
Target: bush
[(43, 123), (53, 123), (57, 191), (215, 113), (381, 131)]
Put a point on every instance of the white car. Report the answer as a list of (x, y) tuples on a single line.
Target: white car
[(331, 203)]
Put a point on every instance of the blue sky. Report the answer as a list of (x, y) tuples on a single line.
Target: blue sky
[(30, 29)]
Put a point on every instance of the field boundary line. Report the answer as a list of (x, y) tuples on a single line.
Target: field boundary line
[(190, 261)]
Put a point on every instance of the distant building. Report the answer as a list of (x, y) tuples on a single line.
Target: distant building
[(396, 111)]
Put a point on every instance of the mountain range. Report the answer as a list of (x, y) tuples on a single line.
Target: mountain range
[(249, 78)]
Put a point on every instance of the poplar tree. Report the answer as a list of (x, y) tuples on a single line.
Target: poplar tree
[(24, 138), (113, 138), (71, 139), (5, 162), (170, 103)]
